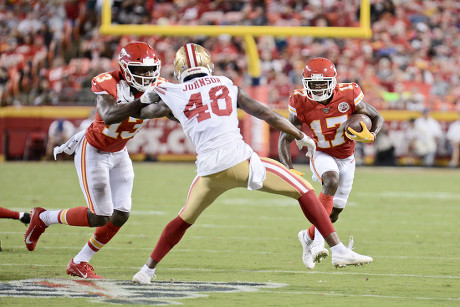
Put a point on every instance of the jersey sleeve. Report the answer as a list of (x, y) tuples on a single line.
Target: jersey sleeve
[(358, 95), (104, 83)]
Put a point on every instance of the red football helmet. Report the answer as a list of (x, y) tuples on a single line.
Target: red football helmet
[(139, 65), (319, 79)]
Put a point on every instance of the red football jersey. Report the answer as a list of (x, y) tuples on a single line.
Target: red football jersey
[(323, 121), (114, 137)]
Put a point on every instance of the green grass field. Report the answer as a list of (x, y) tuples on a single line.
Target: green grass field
[(405, 218)]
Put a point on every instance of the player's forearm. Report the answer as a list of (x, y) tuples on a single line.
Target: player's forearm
[(116, 113), (284, 150), (282, 124)]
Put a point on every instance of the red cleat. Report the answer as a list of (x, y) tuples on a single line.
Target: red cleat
[(83, 270), (35, 229)]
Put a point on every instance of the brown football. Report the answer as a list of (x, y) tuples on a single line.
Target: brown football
[(353, 122)]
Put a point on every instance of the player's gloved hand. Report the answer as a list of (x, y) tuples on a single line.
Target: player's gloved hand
[(124, 92), (364, 136), (148, 95), (309, 143), (297, 172)]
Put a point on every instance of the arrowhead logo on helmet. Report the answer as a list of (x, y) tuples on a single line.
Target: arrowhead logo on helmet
[(192, 59)]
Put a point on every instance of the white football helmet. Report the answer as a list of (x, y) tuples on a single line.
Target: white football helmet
[(139, 65), (319, 79), (192, 59)]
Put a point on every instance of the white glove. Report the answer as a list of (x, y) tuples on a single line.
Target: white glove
[(124, 92), (309, 143), (146, 97)]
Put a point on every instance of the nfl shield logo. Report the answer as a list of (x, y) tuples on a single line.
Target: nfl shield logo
[(326, 110)]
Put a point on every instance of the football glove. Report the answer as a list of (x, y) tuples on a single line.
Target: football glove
[(124, 92), (309, 143), (297, 172), (364, 136), (146, 97)]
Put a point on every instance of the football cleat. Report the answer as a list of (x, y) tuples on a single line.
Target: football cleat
[(83, 270), (319, 252), (35, 229), (307, 255), (25, 218), (142, 278), (350, 257)]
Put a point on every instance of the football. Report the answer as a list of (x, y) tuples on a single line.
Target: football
[(353, 122)]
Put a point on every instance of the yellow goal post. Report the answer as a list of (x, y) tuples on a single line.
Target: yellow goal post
[(247, 32)]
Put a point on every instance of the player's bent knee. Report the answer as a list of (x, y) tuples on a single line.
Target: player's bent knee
[(97, 220), (119, 218)]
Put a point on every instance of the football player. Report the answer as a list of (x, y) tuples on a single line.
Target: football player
[(104, 168), (206, 106), (323, 105), (5, 213)]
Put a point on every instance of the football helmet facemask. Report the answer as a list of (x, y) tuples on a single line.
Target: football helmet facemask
[(139, 65), (319, 79), (192, 59)]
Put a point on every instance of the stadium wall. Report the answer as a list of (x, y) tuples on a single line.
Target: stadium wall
[(22, 129)]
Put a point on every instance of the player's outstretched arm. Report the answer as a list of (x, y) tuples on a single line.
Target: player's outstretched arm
[(255, 108), (113, 112), (284, 143)]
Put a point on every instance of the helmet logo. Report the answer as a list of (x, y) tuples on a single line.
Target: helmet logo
[(343, 107), (122, 53)]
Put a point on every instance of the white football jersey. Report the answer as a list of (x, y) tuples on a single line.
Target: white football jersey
[(207, 109)]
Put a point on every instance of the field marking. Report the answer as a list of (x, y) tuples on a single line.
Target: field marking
[(363, 295), (341, 272), (214, 251)]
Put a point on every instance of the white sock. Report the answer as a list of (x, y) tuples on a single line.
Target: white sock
[(148, 271), (84, 255), (339, 249), (50, 217)]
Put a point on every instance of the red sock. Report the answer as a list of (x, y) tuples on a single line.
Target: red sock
[(75, 216), (170, 236), (8, 214), (102, 236), (328, 203), (315, 213)]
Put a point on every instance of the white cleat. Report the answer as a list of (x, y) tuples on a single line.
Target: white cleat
[(307, 255), (141, 278), (350, 258), (318, 250)]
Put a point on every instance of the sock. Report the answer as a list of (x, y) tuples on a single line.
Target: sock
[(148, 271), (328, 203), (9, 214), (74, 217), (315, 213), (99, 239), (170, 236), (339, 249)]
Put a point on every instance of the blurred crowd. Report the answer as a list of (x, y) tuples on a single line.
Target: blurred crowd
[(50, 49)]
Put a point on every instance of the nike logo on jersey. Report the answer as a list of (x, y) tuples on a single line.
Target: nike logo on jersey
[(28, 237)]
